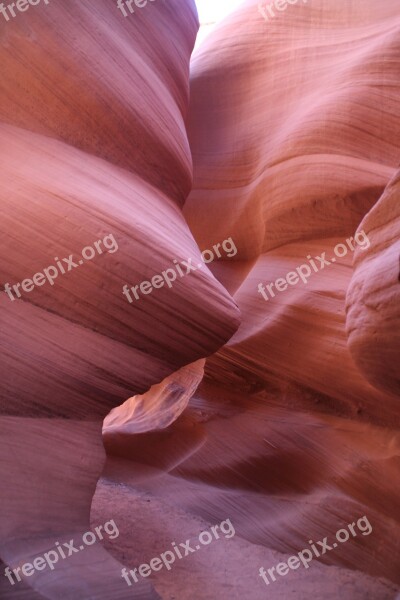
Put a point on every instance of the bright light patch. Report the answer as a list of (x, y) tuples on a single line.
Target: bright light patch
[(211, 11)]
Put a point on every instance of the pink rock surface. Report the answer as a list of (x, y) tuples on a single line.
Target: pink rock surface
[(373, 296), (160, 406), (294, 128), (293, 431), (93, 143), (294, 132)]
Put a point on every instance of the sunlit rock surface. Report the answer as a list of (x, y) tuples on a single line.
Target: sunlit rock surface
[(293, 431), (294, 128)]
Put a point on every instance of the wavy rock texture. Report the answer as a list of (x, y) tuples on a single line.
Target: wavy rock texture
[(294, 128), (161, 405), (293, 433), (373, 296), (297, 157), (93, 143)]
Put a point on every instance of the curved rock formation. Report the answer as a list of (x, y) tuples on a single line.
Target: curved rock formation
[(293, 432), (373, 296), (93, 149), (160, 406), (294, 128), (294, 131)]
